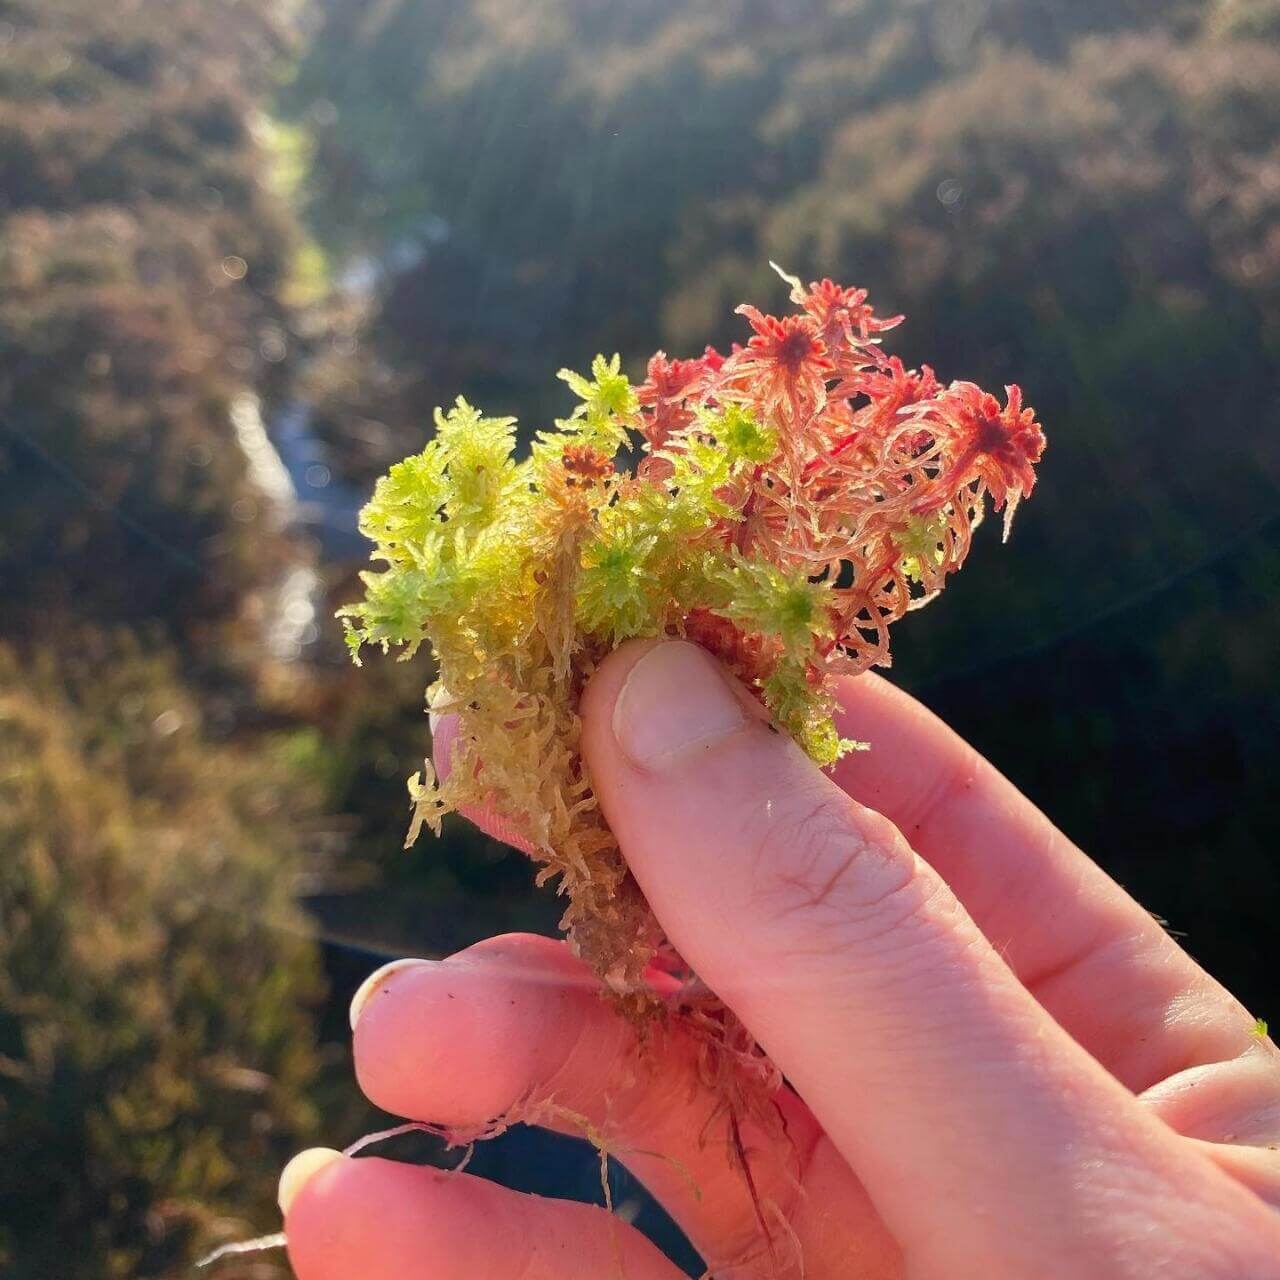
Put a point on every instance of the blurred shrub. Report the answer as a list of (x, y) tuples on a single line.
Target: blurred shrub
[(544, 181), (141, 254), (156, 1044), (356, 399), (1256, 18), (126, 496), (155, 1051)]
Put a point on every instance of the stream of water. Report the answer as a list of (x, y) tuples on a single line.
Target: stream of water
[(290, 467)]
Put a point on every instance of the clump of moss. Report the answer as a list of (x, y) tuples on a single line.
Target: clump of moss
[(788, 503)]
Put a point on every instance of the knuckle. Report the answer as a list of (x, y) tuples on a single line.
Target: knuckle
[(820, 865), (948, 788)]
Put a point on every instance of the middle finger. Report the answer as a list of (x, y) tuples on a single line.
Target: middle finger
[(515, 1027)]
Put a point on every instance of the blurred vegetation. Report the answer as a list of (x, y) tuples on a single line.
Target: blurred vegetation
[(370, 208), (158, 1057), (155, 1053), (140, 261)]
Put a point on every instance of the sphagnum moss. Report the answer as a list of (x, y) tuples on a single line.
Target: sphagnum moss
[(791, 501)]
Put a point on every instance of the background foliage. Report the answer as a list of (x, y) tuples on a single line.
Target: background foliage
[(157, 1049), (156, 1054), (367, 208)]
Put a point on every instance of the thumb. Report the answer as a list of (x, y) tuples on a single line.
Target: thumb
[(930, 1066)]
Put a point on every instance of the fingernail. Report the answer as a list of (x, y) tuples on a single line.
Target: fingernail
[(300, 1170), (369, 987), (675, 700)]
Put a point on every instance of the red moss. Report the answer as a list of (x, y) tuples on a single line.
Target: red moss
[(996, 446), (665, 393)]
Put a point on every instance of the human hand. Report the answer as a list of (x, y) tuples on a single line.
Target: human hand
[(999, 1065)]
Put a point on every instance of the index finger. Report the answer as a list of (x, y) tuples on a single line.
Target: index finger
[(1060, 922), (954, 1097), (1066, 928)]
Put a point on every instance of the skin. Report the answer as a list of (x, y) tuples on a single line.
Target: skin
[(999, 1065)]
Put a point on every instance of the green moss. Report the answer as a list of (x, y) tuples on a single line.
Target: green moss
[(779, 515)]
